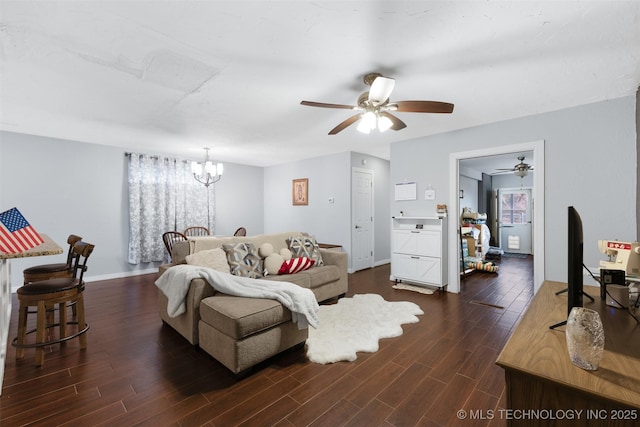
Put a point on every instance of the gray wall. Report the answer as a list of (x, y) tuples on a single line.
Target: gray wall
[(329, 177), (239, 196), (512, 181), (590, 163), (65, 187), (469, 186)]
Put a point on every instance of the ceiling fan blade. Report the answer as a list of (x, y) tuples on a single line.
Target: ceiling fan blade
[(424, 107), (325, 105), (351, 120), (381, 89), (397, 123)]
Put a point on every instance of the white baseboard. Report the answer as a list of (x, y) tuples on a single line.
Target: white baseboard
[(120, 275)]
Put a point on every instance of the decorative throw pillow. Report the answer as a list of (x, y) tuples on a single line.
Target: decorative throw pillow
[(295, 265), (286, 254), (243, 259), (211, 258), (272, 264), (305, 246), (265, 250)]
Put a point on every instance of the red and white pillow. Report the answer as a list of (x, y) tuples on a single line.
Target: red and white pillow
[(295, 265)]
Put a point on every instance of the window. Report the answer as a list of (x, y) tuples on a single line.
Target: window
[(514, 208)]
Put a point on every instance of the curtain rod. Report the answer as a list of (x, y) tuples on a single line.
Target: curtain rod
[(128, 154)]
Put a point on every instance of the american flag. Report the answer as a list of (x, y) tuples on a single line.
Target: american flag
[(16, 234)]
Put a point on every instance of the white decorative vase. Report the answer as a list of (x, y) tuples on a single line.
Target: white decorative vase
[(585, 338)]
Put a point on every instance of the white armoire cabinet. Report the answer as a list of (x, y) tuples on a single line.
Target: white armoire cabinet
[(419, 250)]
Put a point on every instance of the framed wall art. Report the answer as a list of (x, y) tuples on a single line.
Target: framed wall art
[(300, 192)]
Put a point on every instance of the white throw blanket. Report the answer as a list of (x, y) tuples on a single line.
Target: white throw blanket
[(174, 283)]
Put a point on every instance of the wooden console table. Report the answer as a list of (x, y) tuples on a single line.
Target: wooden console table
[(49, 247), (541, 381)]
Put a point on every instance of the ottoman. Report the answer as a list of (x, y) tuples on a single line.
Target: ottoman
[(241, 332)]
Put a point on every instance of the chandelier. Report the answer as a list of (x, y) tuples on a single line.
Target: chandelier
[(207, 172)]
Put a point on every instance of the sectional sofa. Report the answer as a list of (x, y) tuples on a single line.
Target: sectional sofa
[(240, 332)]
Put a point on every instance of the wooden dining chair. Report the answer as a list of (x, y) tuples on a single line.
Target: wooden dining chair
[(46, 295), (240, 232), (196, 231), (51, 271), (170, 238)]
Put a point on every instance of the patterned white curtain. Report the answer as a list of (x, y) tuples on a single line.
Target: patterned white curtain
[(163, 196)]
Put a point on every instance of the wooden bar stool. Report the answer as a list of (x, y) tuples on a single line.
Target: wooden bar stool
[(45, 295), (52, 271)]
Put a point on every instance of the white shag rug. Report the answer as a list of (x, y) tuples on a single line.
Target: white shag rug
[(414, 288), (356, 324)]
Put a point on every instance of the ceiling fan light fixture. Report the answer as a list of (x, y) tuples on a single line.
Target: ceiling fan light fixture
[(367, 122), (384, 123), (363, 128), (521, 172), (374, 107)]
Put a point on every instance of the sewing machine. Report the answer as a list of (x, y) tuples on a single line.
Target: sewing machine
[(623, 256)]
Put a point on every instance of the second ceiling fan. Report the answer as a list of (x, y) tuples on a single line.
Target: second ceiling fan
[(521, 169), (374, 108)]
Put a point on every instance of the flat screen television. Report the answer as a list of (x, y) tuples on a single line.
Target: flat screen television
[(575, 244)]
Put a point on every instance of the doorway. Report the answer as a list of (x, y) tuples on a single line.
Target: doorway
[(362, 219), (537, 200), (514, 220)]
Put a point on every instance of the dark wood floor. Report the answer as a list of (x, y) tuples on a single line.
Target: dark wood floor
[(138, 372)]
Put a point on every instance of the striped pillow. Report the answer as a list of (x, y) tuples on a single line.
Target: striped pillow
[(295, 265)]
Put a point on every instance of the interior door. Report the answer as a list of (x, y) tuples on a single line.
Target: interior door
[(362, 219), (514, 220)]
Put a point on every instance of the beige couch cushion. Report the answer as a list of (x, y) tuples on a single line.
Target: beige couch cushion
[(298, 279), (212, 258), (240, 317), (311, 278), (319, 275)]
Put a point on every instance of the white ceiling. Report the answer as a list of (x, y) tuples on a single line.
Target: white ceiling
[(175, 76)]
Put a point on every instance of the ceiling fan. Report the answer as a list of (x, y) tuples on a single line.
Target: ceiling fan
[(374, 108), (521, 169)]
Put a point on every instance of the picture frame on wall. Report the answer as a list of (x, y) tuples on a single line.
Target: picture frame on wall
[(300, 192)]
